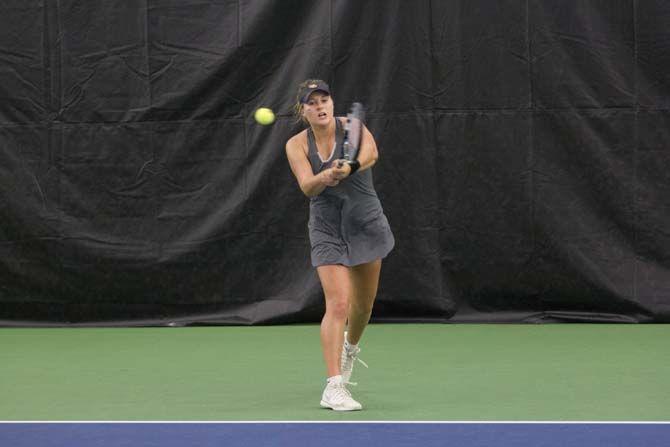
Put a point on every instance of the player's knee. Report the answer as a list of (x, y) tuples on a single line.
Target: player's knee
[(363, 306), (338, 306)]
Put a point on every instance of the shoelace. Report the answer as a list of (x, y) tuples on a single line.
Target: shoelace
[(341, 391), (352, 356)]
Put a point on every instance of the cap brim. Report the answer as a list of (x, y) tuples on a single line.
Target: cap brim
[(309, 92)]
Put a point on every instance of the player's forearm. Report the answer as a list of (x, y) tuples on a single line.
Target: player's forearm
[(367, 157), (367, 161), (368, 154), (314, 185)]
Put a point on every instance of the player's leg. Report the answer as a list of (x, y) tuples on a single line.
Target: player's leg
[(364, 279), (337, 289), (336, 283)]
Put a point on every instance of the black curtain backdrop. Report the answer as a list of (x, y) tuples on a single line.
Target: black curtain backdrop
[(524, 158)]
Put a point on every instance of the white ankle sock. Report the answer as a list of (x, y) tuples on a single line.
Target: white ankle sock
[(335, 379)]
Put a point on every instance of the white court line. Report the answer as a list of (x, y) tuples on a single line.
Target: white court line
[(352, 422)]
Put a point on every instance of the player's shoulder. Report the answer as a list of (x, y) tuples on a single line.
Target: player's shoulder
[(297, 141)]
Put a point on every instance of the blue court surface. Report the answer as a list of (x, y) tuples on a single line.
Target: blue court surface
[(368, 434)]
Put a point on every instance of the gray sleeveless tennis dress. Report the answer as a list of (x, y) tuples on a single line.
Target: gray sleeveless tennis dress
[(347, 224)]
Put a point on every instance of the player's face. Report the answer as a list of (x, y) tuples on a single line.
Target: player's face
[(318, 110)]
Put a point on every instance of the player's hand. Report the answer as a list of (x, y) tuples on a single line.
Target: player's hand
[(341, 169), (329, 178)]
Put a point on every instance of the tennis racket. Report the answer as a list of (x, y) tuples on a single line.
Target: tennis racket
[(353, 131)]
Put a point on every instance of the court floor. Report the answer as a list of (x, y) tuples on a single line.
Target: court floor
[(418, 372), (386, 434), (429, 385)]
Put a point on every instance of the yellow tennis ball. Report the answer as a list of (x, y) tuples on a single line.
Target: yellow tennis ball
[(264, 116)]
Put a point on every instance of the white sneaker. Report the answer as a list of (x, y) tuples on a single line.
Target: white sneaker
[(349, 356), (337, 396)]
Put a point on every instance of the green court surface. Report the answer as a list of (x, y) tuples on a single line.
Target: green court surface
[(417, 373)]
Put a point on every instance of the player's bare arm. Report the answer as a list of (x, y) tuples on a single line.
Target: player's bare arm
[(310, 184)]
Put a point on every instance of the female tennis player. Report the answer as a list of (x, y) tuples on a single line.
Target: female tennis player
[(348, 231)]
